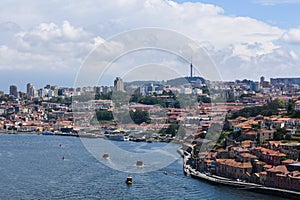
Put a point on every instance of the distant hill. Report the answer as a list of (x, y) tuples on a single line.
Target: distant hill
[(139, 83), (184, 80), (173, 82)]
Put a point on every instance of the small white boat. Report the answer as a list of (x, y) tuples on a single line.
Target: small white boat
[(118, 137)]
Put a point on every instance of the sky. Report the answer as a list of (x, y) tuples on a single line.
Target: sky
[(47, 42)]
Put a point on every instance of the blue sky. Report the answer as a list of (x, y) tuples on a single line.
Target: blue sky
[(48, 41), (279, 13)]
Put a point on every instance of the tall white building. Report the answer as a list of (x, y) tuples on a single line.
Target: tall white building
[(31, 91), (119, 84)]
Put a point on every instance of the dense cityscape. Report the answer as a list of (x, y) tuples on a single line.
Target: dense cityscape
[(259, 142), (150, 99)]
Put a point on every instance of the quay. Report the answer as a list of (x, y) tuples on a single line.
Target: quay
[(217, 180)]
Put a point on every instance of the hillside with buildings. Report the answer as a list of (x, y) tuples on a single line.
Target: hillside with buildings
[(258, 122)]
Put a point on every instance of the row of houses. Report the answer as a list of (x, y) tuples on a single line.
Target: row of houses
[(259, 165)]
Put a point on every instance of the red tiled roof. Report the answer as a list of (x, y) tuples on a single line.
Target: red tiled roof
[(268, 166), (278, 169), (248, 155), (233, 163), (263, 173), (288, 161), (251, 133)]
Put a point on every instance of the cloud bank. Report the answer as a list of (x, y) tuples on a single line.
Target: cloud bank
[(56, 36)]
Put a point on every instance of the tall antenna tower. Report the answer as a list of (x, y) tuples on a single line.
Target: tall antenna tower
[(191, 67)]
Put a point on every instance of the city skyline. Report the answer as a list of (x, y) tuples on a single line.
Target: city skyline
[(118, 84), (51, 47), (292, 80)]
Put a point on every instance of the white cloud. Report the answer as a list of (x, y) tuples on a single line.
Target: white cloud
[(22, 61), (278, 63), (203, 22), (73, 33), (63, 37), (47, 46), (45, 31), (51, 31), (294, 55), (291, 36)]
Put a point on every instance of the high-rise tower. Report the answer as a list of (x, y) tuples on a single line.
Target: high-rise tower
[(191, 70), (13, 90), (119, 84)]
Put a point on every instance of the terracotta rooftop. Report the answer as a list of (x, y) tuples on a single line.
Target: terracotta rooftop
[(222, 150), (233, 163), (288, 161), (246, 143), (248, 155), (260, 163), (275, 143), (297, 103), (268, 166), (270, 151), (295, 174), (278, 169), (251, 133)]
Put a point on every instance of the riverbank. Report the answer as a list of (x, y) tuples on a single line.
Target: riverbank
[(217, 180), (132, 138), (86, 135)]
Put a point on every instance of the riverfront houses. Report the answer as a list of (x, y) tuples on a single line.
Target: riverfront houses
[(245, 156)]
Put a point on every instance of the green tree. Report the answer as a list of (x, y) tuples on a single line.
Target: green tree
[(288, 137), (136, 97), (204, 99), (151, 100), (102, 96), (266, 110), (172, 129), (279, 134), (104, 115), (223, 135), (291, 107), (295, 114), (140, 116)]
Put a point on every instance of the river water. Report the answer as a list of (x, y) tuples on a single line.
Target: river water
[(31, 167)]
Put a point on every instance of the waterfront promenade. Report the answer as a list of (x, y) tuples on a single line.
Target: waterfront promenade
[(217, 180)]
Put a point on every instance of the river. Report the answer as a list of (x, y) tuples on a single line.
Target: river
[(31, 167)]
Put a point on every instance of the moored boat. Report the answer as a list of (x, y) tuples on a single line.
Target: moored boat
[(118, 137), (48, 133)]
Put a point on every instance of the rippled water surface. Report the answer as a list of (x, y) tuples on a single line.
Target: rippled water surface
[(31, 167)]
